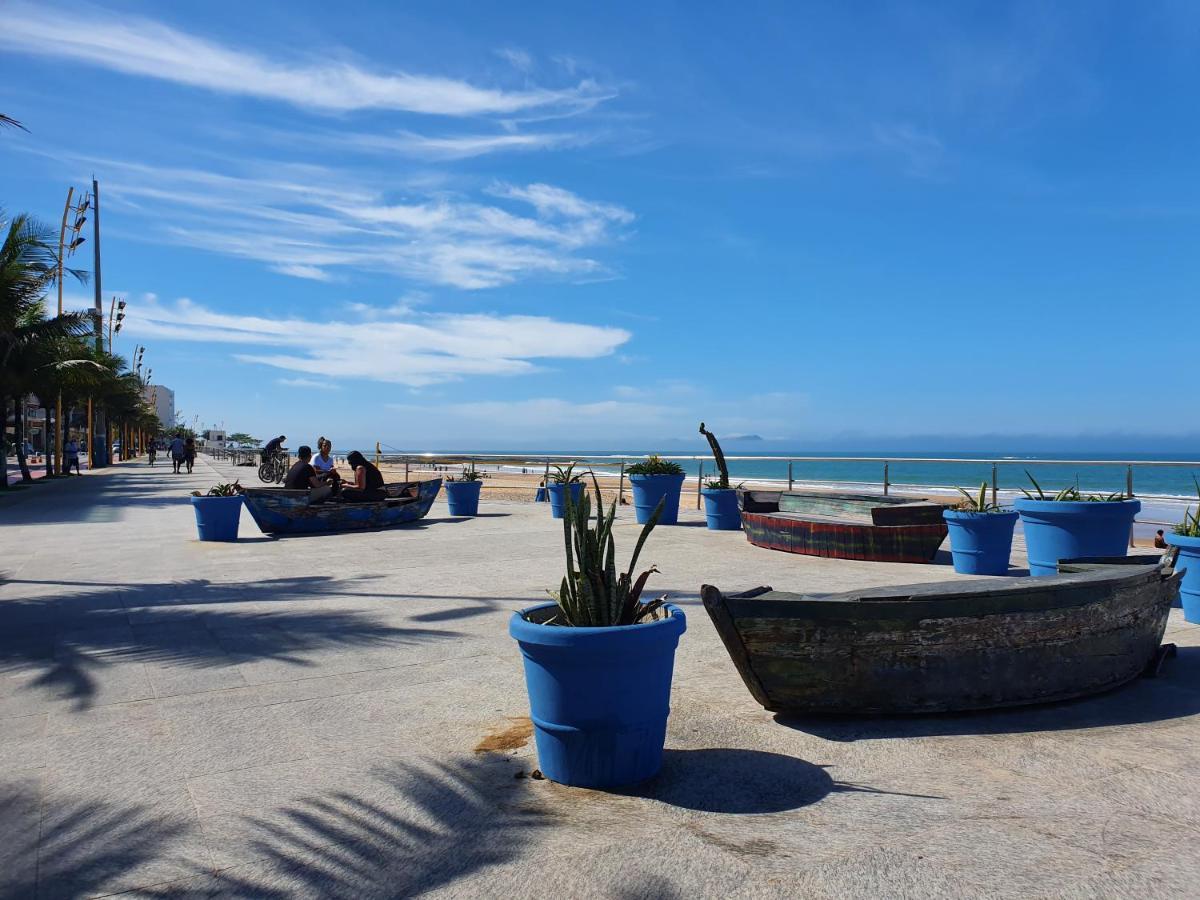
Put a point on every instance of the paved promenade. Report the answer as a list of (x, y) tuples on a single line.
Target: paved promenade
[(344, 716)]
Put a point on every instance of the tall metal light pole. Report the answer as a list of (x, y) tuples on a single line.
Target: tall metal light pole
[(99, 449), (64, 250)]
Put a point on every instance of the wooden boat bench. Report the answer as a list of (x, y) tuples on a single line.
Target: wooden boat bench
[(950, 646)]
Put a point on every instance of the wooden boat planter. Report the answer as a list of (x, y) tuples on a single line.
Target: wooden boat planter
[(279, 511), (956, 645), (844, 526)]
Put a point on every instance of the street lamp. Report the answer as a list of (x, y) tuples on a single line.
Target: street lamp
[(66, 248)]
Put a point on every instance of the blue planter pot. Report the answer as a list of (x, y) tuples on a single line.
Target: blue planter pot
[(721, 509), (980, 543), (1073, 529), (649, 489), (599, 697), (463, 497), (556, 492), (1189, 590), (217, 517)]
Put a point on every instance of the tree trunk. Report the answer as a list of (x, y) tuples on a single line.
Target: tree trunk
[(4, 441), (19, 420)]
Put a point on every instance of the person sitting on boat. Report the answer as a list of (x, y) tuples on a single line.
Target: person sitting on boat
[(302, 476), (324, 463), (367, 485)]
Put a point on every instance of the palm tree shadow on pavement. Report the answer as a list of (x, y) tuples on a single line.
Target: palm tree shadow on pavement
[(409, 827), (65, 645)]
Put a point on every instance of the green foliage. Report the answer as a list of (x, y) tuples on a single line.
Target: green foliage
[(978, 502), (655, 465), (719, 456), (1190, 526), (559, 475), (469, 473), (224, 489), (242, 439), (180, 431), (1070, 494), (593, 594)]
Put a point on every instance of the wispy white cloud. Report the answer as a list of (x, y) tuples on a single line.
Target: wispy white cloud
[(462, 146), (320, 224), (519, 59), (151, 49), (415, 351), (309, 384)]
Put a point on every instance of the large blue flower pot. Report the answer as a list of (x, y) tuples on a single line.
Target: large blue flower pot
[(1189, 590), (1073, 529), (557, 493), (217, 517), (721, 509), (980, 542), (648, 490), (598, 697), (463, 497)]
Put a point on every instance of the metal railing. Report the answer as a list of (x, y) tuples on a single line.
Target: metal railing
[(885, 463)]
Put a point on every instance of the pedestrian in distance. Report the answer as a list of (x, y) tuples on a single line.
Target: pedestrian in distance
[(176, 449), (71, 451), (189, 453)]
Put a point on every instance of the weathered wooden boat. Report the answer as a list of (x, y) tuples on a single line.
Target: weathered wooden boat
[(956, 645), (279, 511), (844, 526)]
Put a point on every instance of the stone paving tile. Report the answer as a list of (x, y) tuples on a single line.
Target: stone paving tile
[(20, 820)]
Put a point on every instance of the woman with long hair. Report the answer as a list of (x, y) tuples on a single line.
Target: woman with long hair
[(367, 485)]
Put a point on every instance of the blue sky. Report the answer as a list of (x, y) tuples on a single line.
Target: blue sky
[(544, 225)]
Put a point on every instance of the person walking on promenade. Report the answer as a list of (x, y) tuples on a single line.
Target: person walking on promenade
[(189, 453), (176, 449), (72, 454), (152, 451)]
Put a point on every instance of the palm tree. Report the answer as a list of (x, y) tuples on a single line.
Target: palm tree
[(11, 122), (29, 339)]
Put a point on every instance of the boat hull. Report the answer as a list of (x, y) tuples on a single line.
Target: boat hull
[(952, 646), (793, 533), (277, 511), (872, 527)]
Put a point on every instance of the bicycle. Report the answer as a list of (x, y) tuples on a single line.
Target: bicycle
[(272, 471)]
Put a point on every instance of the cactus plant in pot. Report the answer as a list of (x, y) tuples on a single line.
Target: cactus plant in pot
[(1187, 538), (720, 500), (598, 660), (981, 534), (462, 493), (1071, 525), (564, 481), (656, 479), (218, 512)]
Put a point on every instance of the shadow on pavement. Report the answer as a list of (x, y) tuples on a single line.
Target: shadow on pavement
[(67, 643)]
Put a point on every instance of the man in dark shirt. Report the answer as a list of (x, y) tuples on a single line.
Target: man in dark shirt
[(272, 447), (302, 476)]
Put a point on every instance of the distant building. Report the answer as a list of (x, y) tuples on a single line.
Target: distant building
[(163, 401), (214, 437)]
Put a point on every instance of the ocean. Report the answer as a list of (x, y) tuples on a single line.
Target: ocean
[(844, 470)]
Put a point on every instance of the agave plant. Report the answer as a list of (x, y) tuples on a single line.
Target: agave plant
[(655, 465), (1070, 494), (978, 502), (224, 489), (593, 594), (469, 473), (1190, 526), (566, 475)]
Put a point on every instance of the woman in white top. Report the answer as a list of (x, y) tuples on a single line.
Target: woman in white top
[(323, 461)]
